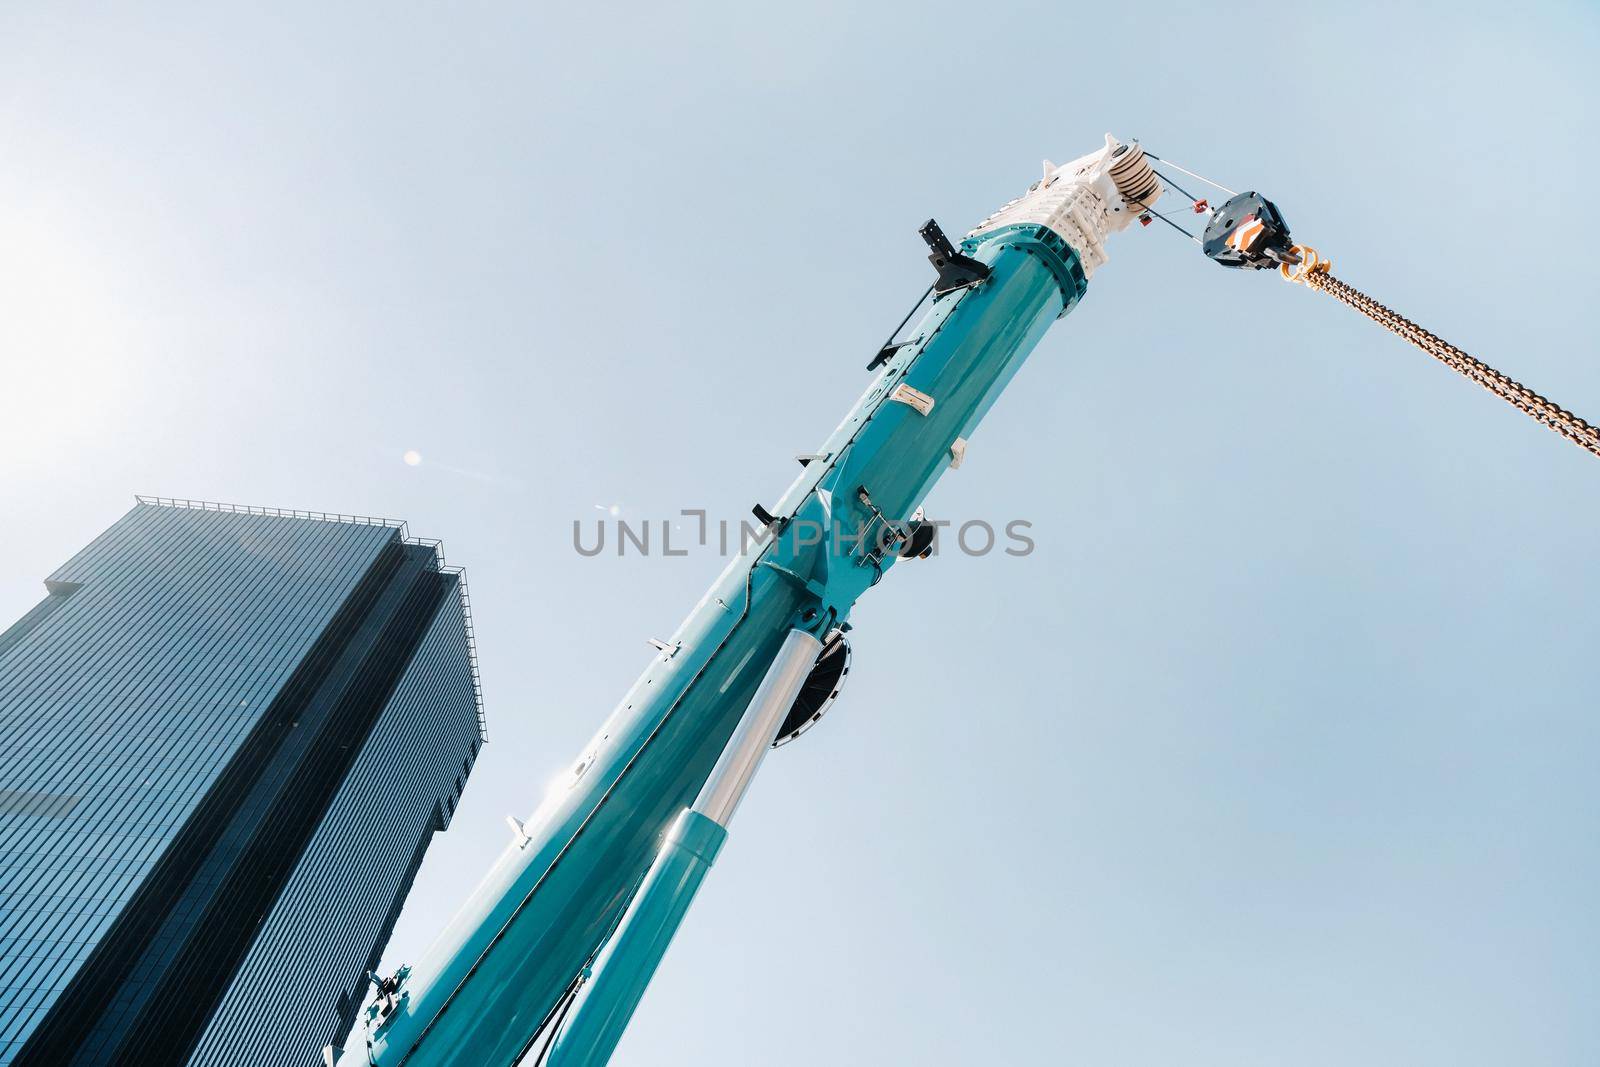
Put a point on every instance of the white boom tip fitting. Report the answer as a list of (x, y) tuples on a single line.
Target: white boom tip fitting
[(1085, 200)]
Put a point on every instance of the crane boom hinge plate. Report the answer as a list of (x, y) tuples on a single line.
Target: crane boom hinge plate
[(956, 271), (810, 585)]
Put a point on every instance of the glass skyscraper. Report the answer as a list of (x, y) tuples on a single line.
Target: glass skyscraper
[(227, 736)]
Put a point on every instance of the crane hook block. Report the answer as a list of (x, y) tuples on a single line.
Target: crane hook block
[(1248, 232)]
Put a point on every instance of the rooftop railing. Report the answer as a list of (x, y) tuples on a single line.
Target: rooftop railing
[(398, 525)]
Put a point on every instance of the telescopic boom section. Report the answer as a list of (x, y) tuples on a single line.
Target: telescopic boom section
[(611, 857)]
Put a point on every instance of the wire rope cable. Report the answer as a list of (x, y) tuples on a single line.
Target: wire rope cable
[(1314, 272)]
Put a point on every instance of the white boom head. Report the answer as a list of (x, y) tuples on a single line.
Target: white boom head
[(1083, 201)]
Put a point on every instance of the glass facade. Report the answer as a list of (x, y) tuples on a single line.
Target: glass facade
[(228, 736)]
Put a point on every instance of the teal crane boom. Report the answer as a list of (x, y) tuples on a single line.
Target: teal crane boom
[(552, 952), (557, 943)]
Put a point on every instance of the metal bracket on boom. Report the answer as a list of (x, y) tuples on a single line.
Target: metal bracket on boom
[(886, 353), (667, 650), (809, 585), (768, 519), (956, 271), (389, 993), (880, 536)]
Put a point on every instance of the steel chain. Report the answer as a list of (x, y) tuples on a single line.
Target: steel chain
[(1314, 274)]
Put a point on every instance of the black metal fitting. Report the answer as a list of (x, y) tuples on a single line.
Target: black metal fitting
[(956, 271), (1248, 233)]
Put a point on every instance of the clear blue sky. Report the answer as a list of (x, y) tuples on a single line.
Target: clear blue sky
[(1281, 746)]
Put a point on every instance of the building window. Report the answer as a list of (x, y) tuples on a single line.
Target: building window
[(44, 805)]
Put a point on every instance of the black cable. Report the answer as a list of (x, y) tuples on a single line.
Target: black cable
[(1151, 155), (1146, 207), (896, 331), (555, 1028), (1175, 185), (557, 1015)]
